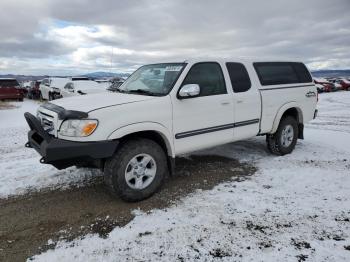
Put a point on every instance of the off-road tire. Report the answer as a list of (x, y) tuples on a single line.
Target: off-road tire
[(114, 171), (274, 140)]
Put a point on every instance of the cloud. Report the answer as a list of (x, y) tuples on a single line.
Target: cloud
[(79, 36)]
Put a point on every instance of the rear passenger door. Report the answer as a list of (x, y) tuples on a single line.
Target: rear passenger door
[(246, 102)]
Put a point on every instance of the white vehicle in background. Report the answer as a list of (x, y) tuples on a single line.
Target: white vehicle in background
[(50, 88), (83, 87), (26, 84), (165, 110)]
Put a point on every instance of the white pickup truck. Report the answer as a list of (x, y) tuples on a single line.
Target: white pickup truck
[(168, 109), (50, 88)]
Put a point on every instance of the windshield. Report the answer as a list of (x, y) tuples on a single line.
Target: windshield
[(157, 79)]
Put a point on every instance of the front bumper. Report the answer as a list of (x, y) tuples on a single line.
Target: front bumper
[(63, 153)]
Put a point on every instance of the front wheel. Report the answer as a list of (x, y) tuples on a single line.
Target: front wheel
[(137, 170), (284, 140), (51, 96)]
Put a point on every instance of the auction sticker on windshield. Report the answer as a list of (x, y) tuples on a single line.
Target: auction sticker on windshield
[(173, 68)]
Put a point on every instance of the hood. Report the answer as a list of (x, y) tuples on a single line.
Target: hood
[(91, 102)]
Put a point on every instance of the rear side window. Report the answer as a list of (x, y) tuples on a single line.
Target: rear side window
[(279, 73), (209, 77), (8, 83), (45, 81), (302, 72), (239, 77)]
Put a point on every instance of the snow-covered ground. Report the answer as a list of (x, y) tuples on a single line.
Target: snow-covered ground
[(294, 208)]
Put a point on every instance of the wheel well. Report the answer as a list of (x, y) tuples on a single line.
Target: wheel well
[(294, 112), (152, 135), (155, 136), (297, 114)]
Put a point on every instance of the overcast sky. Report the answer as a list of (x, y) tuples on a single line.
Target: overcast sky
[(60, 37)]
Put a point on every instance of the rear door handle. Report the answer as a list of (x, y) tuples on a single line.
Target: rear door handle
[(310, 94), (224, 103)]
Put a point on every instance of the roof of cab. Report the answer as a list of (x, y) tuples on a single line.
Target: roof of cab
[(235, 59)]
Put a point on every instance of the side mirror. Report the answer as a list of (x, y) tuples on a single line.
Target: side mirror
[(190, 90)]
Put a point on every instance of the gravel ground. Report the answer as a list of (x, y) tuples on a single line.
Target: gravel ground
[(67, 214)]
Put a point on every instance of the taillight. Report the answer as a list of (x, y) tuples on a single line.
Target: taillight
[(317, 97)]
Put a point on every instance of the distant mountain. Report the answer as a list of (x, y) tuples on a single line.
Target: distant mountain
[(105, 74), (21, 78), (331, 73)]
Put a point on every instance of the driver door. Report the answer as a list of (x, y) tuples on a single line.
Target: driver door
[(206, 120)]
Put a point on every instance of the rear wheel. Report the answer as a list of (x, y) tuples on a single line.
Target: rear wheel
[(284, 140), (137, 170)]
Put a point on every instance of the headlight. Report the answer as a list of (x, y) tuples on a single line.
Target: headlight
[(78, 128)]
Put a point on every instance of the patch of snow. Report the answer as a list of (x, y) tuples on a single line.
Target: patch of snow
[(20, 170)]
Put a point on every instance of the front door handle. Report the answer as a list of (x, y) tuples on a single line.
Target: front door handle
[(224, 103)]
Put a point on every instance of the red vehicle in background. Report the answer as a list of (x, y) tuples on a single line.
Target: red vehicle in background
[(10, 89), (328, 86), (345, 84)]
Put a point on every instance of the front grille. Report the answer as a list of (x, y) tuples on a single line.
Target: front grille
[(47, 122)]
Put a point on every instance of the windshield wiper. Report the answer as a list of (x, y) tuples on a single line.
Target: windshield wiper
[(118, 90), (143, 91)]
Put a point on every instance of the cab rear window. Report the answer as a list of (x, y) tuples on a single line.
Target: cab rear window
[(239, 77), (279, 73)]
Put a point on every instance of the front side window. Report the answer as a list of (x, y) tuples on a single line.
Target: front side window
[(156, 79), (239, 77), (209, 77), (45, 81), (69, 86)]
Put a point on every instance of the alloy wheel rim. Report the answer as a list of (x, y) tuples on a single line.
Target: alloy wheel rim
[(140, 171), (287, 136)]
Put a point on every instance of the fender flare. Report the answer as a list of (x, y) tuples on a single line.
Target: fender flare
[(146, 126), (282, 110)]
